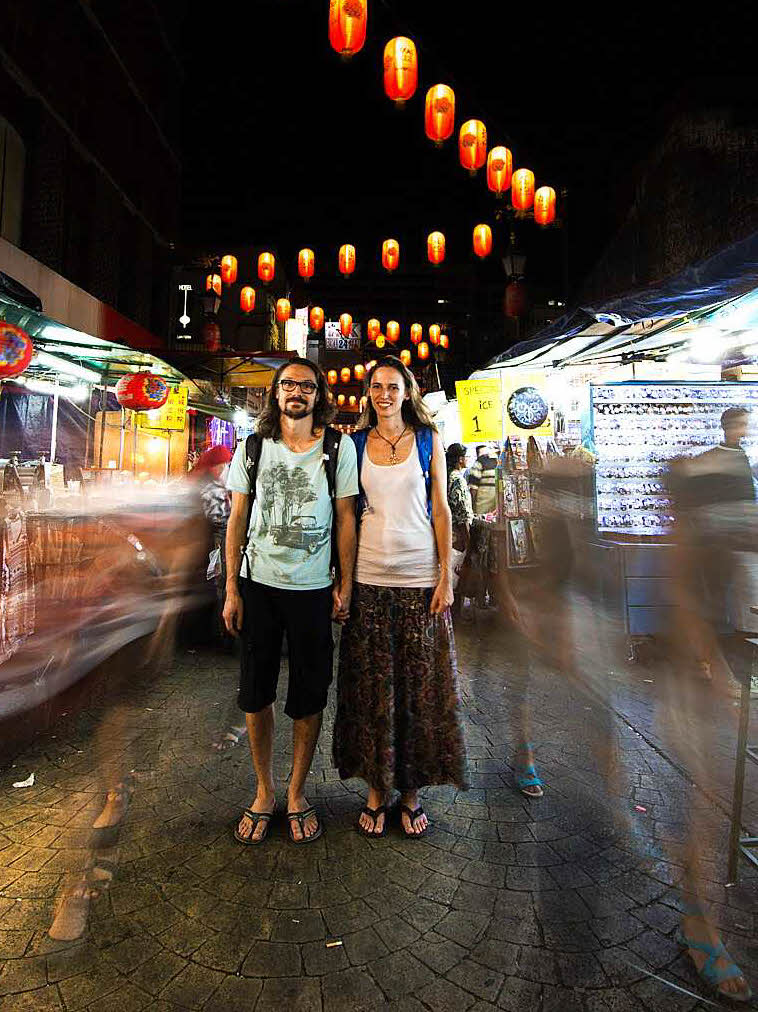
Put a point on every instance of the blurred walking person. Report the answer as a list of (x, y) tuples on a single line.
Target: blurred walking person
[(462, 515)]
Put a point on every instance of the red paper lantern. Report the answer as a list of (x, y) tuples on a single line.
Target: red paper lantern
[(439, 113), (266, 267), (347, 26), (405, 357), (499, 170), (352, 400), (316, 318), (544, 205), (482, 240), (417, 332), (306, 263), (363, 403), (444, 341), (472, 145), (370, 365), (345, 375), (390, 254), (283, 310), (347, 259), (434, 333), (359, 372), (340, 399), (373, 329), (381, 341), (211, 336), (228, 269), (423, 351), (247, 299), (142, 391), (331, 377), (16, 350), (522, 189), (515, 299), (393, 331), (213, 283), (400, 69), (346, 324), (435, 248)]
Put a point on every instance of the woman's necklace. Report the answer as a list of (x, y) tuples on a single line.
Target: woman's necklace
[(393, 453)]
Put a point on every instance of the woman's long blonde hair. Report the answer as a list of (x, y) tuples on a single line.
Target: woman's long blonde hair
[(415, 412)]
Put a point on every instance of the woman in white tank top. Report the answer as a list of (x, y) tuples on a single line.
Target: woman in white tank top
[(398, 724)]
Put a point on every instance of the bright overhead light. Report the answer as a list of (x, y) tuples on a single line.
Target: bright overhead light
[(441, 302), (241, 419), (62, 365)]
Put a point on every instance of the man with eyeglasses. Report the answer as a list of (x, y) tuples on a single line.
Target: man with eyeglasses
[(279, 561)]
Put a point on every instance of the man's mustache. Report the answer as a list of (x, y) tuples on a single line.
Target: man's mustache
[(295, 400)]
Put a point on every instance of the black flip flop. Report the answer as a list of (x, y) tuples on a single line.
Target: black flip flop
[(300, 818), (374, 813), (412, 816), (255, 818)]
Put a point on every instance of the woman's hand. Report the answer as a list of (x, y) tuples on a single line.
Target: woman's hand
[(443, 595)]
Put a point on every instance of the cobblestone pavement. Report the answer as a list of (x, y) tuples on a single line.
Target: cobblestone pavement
[(507, 903)]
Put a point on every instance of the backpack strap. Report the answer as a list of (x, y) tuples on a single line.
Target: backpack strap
[(253, 446), (332, 439), (359, 438), (425, 446)]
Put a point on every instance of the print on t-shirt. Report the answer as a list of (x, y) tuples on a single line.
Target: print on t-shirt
[(286, 492)]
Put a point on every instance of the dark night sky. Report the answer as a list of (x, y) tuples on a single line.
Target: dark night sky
[(289, 146)]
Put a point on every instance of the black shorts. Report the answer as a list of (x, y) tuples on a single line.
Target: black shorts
[(306, 615)]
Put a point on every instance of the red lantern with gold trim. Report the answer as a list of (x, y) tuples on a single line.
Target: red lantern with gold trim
[(472, 145), (444, 341), (211, 335), (316, 318), (347, 26), (373, 329), (405, 357), (423, 351), (345, 374), (16, 350), (359, 371), (417, 332), (346, 324), (482, 241), (439, 113), (434, 333), (390, 254), (544, 205), (331, 377), (213, 283), (352, 400), (435, 248), (306, 263), (247, 299), (142, 391), (522, 189), (347, 259), (228, 269), (266, 267), (340, 399), (499, 170), (393, 331), (400, 69), (283, 310)]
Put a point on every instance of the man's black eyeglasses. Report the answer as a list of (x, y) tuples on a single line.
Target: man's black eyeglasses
[(290, 385)]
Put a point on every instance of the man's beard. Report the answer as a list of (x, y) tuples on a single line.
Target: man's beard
[(297, 409)]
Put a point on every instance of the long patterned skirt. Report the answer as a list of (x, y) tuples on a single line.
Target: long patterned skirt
[(398, 707)]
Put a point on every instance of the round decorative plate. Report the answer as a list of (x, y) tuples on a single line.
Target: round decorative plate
[(527, 408)]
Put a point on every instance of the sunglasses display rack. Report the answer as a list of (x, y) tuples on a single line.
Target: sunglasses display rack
[(638, 428)]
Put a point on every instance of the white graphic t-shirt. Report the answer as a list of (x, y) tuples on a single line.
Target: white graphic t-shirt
[(290, 538)]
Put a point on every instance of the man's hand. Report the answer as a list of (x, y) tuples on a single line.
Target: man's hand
[(233, 611), (341, 595)]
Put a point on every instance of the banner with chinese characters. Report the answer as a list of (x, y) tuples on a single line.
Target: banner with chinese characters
[(480, 409), (173, 414), (527, 410), (334, 341)]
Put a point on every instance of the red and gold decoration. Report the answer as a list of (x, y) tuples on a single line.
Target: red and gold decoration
[(439, 113), (393, 331), (472, 145), (522, 189), (544, 205), (405, 357), (423, 351), (444, 341), (213, 283), (345, 374), (266, 267), (434, 333), (347, 26), (499, 170), (247, 299), (142, 391), (390, 254), (352, 400), (482, 240), (16, 350), (417, 332), (316, 318), (340, 399), (359, 371), (346, 259), (331, 377), (211, 335), (228, 269), (435, 248), (346, 324), (380, 341), (283, 310), (373, 329), (400, 69), (306, 263)]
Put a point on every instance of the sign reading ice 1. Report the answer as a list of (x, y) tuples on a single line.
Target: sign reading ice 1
[(480, 409)]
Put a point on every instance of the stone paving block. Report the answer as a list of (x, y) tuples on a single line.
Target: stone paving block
[(400, 974), (296, 994), (234, 993), (655, 949), (396, 933), (272, 959), (192, 987), (288, 896), (438, 953), (423, 914), (390, 900), (132, 952), (497, 955), (14, 943), (298, 926), (185, 937), (476, 898), (22, 975), (536, 880), (78, 992), (156, 972), (348, 917), (622, 966), (580, 970), (497, 852), (561, 905), (126, 998), (561, 999), (484, 874), (73, 960), (350, 989), (364, 946), (526, 931), (463, 926), (471, 849), (327, 894), (439, 888), (517, 995), (479, 980), (320, 959), (44, 999), (445, 996)]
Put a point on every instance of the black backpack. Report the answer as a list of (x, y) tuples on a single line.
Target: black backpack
[(253, 445)]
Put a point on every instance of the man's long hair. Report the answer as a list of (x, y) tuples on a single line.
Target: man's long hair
[(415, 412), (270, 419)]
